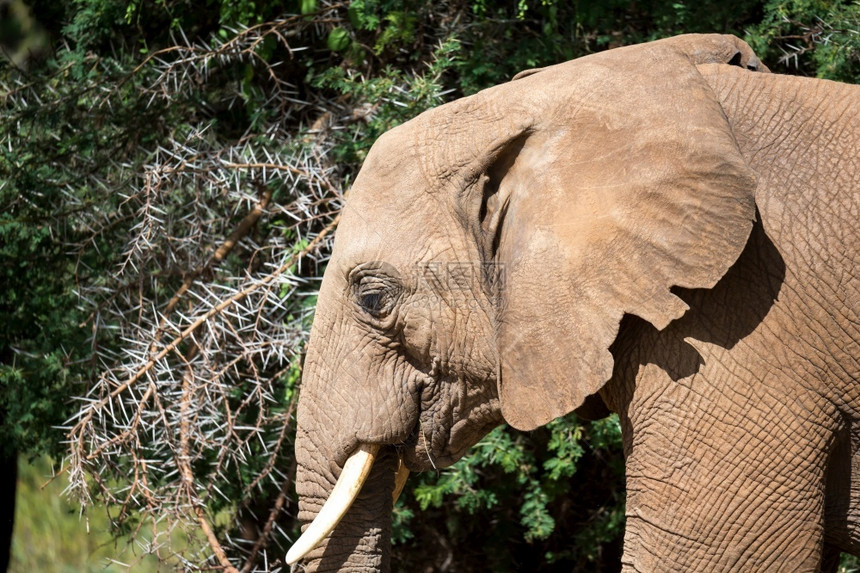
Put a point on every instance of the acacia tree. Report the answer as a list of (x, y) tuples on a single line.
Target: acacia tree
[(172, 178)]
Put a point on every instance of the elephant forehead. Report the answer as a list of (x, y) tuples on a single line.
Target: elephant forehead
[(402, 233), (390, 157), (392, 179)]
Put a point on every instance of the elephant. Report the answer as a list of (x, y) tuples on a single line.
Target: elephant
[(667, 231)]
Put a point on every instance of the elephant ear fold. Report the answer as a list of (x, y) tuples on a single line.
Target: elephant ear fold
[(632, 184)]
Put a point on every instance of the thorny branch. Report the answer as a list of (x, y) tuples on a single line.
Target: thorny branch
[(211, 308), (79, 428), (194, 62), (239, 233), (811, 37)]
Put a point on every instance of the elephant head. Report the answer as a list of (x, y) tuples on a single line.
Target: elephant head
[(486, 255)]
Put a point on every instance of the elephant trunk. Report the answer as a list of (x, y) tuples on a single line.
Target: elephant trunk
[(360, 541), (357, 534), (332, 443)]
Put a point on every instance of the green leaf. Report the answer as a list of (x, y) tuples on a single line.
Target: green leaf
[(338, 40), (308, 7)]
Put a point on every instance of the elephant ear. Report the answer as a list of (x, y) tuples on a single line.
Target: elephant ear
[(628, 183)]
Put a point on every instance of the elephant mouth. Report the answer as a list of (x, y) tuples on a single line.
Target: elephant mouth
[(425, 451), (432, 445)]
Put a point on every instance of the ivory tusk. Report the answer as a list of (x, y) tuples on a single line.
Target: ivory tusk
[(400, 480), (355, 472)]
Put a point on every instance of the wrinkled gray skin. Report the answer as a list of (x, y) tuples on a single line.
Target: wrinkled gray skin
[(491, 247)]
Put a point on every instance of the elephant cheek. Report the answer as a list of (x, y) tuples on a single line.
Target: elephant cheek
[(420, 318), (362, 540)]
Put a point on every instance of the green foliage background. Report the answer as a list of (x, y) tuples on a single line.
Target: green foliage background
[(552, 499), (50, 536)]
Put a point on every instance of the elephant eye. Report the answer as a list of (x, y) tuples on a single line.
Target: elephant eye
[(371, 302), (375, 299), (374, 292)]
